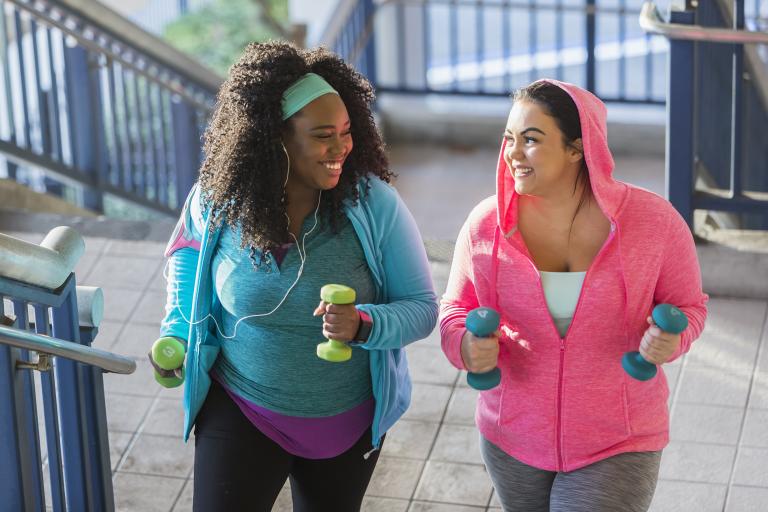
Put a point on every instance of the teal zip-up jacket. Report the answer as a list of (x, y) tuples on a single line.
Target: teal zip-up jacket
[(405, 308)]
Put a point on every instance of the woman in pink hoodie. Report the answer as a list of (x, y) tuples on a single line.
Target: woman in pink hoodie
[(574, 262)]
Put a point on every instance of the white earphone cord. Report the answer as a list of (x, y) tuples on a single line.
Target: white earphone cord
[(302, 257)]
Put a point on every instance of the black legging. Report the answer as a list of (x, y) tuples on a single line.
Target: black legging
[(239, 468)]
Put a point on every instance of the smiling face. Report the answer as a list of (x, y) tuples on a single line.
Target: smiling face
[(539, 160), (318, 141)]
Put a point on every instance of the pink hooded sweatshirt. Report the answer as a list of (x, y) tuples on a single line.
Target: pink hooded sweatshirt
[(564, 403)]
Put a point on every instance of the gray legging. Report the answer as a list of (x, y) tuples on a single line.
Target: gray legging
[(622, 483)]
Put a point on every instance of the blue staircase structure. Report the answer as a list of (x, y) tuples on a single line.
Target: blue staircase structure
[(717, 148), (44, 313)]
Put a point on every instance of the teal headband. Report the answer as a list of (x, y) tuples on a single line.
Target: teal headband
[(303, 91)]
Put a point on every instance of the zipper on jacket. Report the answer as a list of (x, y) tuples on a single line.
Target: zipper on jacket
[(559, 433), (559, 426)]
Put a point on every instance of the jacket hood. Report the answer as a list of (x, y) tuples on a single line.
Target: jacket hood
[(608, 192)]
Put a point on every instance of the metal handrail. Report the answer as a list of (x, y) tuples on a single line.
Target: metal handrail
[(652, 22), (338, 19), (107, 361), (46, 265)]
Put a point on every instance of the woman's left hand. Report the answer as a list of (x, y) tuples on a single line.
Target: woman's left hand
[(340, 321), (658, 346)]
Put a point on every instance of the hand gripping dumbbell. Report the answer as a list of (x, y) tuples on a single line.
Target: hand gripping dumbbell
[(669, 319), (168, 354), (482, 322), (332, 350)]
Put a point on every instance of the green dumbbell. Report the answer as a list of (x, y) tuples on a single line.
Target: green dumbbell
[(669, 319), (332, 350), (168, 354)]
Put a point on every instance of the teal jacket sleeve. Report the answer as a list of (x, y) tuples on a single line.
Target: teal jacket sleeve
[(183, 252), (410, 311)]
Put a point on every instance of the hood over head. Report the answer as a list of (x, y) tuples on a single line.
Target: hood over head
[(608, 192)]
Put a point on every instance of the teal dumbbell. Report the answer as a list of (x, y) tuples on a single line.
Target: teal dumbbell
[(482, 322), (332, 350), (669, 319), (168, 355)]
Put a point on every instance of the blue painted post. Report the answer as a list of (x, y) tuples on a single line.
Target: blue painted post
[(679, 137), (69, 395), (95, 412), (21, 485), (453, 35), (53, 442), (737, 127), (84, 98), (26, 413), (22, 76), (480, 46), (11, 483), (186, 147), (591, 33), (402, 81), (9, 99), (53, 100), (370, 47), (533, 39)]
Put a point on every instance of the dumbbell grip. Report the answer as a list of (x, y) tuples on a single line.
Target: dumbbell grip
[(482, 324), (669, 319)]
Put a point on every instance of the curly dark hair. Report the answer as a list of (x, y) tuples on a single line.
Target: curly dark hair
[(244, 168)]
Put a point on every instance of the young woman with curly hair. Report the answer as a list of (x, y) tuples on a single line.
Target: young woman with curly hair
[(293, 195)]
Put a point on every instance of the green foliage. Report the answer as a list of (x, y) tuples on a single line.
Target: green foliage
[(217, 33)]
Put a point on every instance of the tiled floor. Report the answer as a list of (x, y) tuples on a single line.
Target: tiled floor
[(430, 462)]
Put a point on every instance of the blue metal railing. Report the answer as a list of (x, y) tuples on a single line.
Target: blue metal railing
[(95, 112), (717, 120), (75, 427), (491, 47), (349, 34)]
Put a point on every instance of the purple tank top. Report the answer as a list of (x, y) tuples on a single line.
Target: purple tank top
[(310, 438)]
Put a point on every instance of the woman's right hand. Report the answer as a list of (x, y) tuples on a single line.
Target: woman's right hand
[(480, 355)]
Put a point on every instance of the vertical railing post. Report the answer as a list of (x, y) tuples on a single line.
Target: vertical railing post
[(94, 407), (26, 412), (186, 147), (53, 441), (83, 98), (681, 90), (369, 54), (21, 478), (736, 103), (69, 396), (591, 34), (11, 479), (6, 77)]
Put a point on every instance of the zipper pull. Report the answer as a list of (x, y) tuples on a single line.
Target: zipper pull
[(562, 344)]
